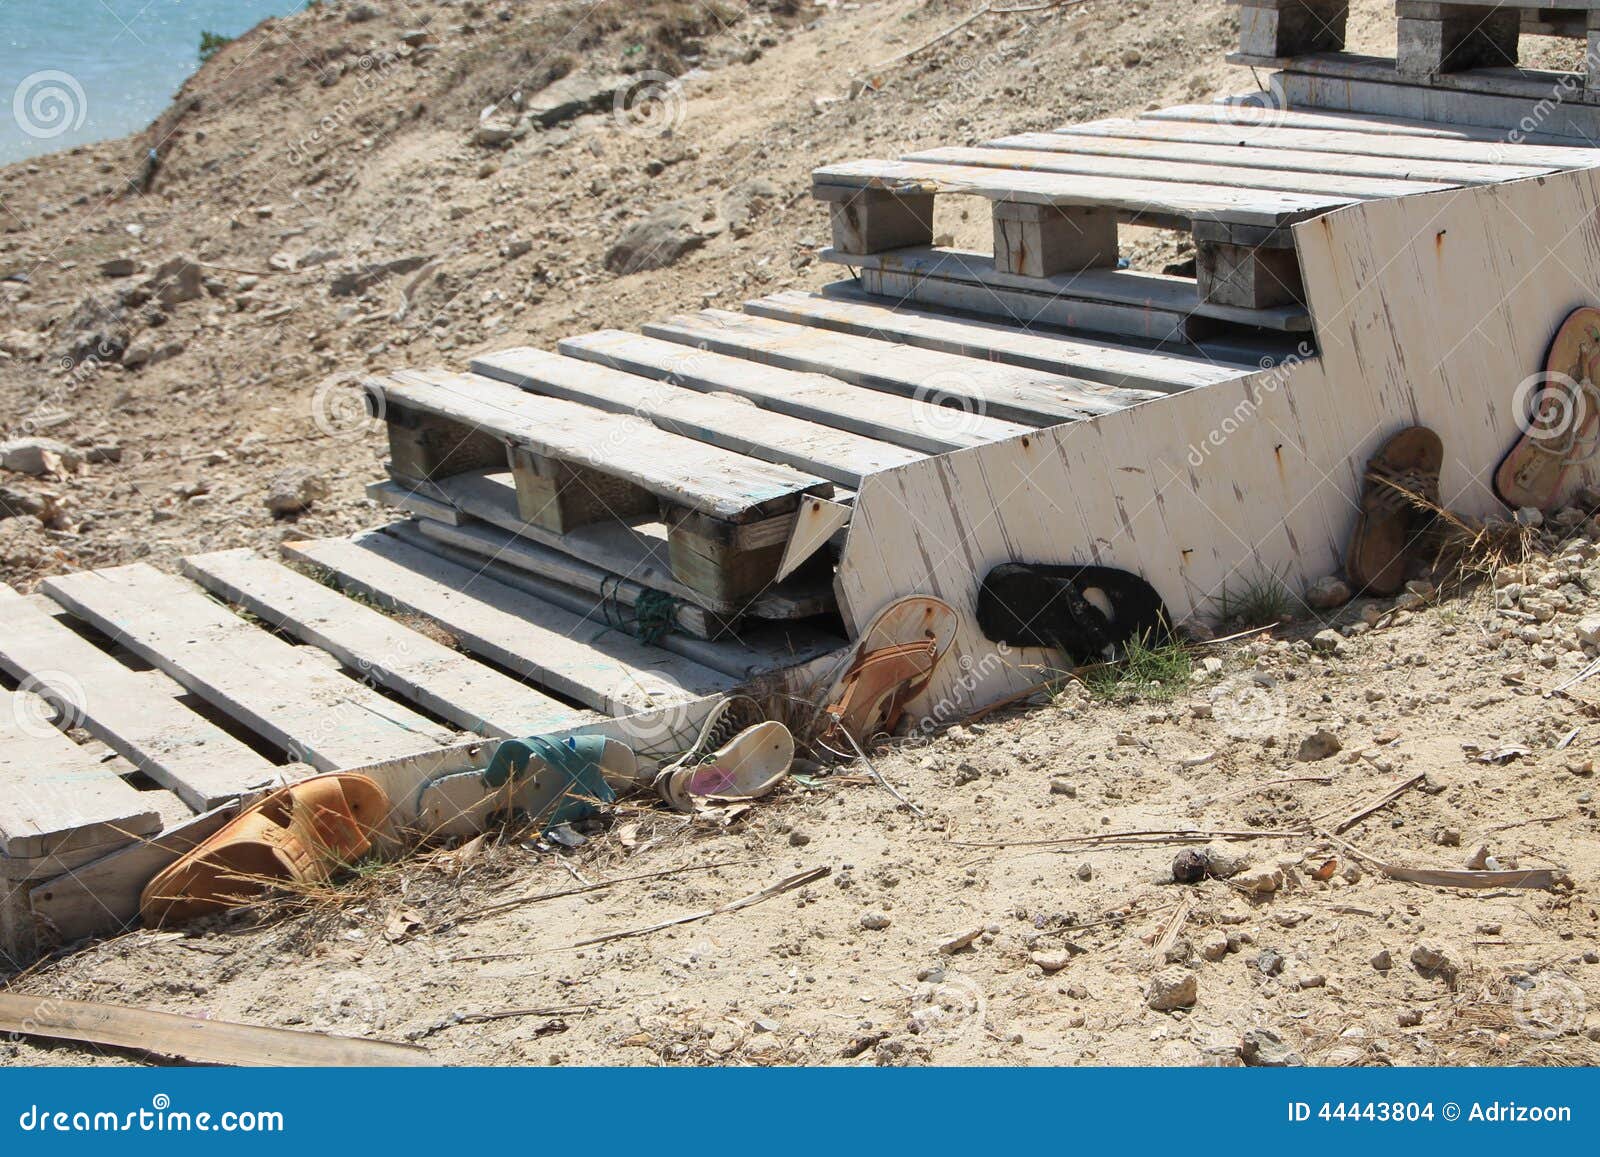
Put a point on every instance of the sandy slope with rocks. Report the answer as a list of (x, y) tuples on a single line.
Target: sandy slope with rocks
[(331, 198)]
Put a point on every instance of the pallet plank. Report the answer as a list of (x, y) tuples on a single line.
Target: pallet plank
[(58, 802), (1014, 393), (128, 710), (313, 711), (816, 397), (1170, 201), (846, 309), (1004, 155), (443, 681), (679, 470), (582, 660), (732, 424), (1132, 139)]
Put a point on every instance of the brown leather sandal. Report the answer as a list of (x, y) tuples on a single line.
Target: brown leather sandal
[(302, 833), (891, 665), (1404, 471), (1559, 418)]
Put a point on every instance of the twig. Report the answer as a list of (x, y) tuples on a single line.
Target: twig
[(1151, 836), (505, 905), (878, 775), (505, 1014), (1454, 877), (1169, 935), (1322, 779), (1384, 801)]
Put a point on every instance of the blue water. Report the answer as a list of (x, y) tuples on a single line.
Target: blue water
[(73, 71)]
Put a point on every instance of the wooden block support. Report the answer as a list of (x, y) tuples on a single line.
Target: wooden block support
[(1461, 37), (1284, 28), (1043, 240), (560, 496), (1252, 277), (18, 931), (1591, 56), (425, 446), (725, 560), (874, 220)]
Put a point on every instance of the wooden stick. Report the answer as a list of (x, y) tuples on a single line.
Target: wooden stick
[(1455, 877), (505, 905), (1384, 801), (216, 1042), (1169, 935), (1151, 836)]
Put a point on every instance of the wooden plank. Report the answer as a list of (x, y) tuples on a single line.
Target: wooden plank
[(1571, 120), (57, 802), (1270, 150), (127, 710), (676, 469), (742, 651), (205, 1041), (732, 424), (442, 681), (531, 638), (939, 380), (638, 549), (1153, 291), (1330, 131), (314, 712), (1172, 201), (816, 397), (102, 897), (995, 154), (848, 310)]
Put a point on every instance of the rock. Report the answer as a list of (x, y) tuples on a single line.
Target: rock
[(38, 456), (1308, 978), (1262, 1048), (361, 13), (1433, 963), (1409, 1017), (494, 132), (293, 491), (1171, 989), (1262, 882), (1447, 838), (1381, 960), (147, 350), (1053, 961), (1588, 629), (415, 37), (746, 201), (1327, 641), (119, 267), (658, 240), (1063, 787), (354, 281), (1223, 862), (1269, 962), (1320, 744), (1213, 946), (581, 92), (957, 943), (1529, 516), (176, 281), (1085, 871), (1189, 866), (1326, 593), (875, 921)]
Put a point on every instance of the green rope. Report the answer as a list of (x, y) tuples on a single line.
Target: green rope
[(653, 611)]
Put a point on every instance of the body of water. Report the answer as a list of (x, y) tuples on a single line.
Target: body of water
[(73, 71)]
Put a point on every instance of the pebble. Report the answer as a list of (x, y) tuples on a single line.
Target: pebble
[(1213, 946), (1381, 960), (1268, 962), (1327, 592), (875, 921), (1263, 1048), (1171, 989), (1434, 963), (1085, 871), (1327, 641), (1320, 744), (1063, 787), (1261, 882), (1053, 961)]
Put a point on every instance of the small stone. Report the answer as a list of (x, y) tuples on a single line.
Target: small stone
[(1489, 929), (1308, 978), (1530, 516), (875, 921), (957, 943), (1326, 593), (293, 491), (1172, 989), (1381, 960), (1263, 1048), (1053, 961), (798, 839), (1261, 882), (1589, 630), (1085, 871), (1063, 787), (38, 456), (1213, 946), (1189, 866), (1268, 962), (1409, 1017), (1326, 641), (1320, 744), (1433, 963), (1447, 838)]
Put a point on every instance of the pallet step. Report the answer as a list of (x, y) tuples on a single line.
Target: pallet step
[(308, 708), (136, 714), (843, 307), (730, 423), (424, 671), (964, 385), (884, 417), (534, 640)]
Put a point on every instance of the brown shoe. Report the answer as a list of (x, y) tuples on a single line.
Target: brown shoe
[(1404, 471)]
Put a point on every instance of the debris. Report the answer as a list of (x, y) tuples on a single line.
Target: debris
[(1382, 801), (1172, 989), (293, 492), (1320, 744), (750, 765), (1433, 963), (787, 884), (1189, 867), (215, 1042), (963, 940), (1169, 934), (1262, 882), (1497, 755), (38, 456), (1263, 1048), (1451, 878), (1136, 837)]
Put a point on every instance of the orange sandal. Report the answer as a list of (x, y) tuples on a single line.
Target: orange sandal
[(303, 832), (891, 665), (1558, 413)]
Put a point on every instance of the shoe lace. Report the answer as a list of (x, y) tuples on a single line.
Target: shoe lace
[(1402, 489)]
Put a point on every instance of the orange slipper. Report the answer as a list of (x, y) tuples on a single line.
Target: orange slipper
[(891, 665), (303, 832), (1558, 412), (1406, 469)]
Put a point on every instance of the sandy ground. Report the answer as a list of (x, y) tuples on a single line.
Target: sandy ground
[(276, 167)]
